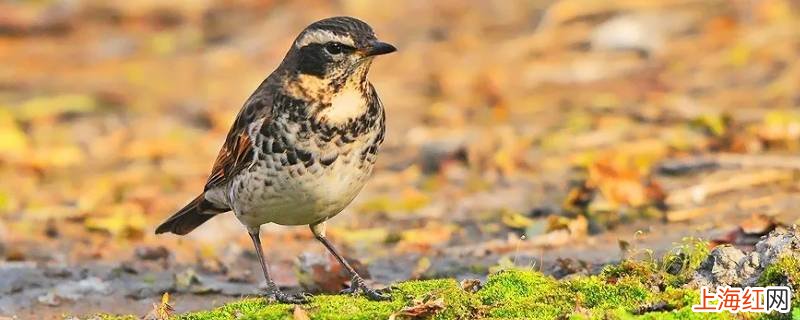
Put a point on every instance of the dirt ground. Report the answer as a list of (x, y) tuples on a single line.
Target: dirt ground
[(560, 135)]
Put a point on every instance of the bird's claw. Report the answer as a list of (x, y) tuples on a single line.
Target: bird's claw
[(387, 289), (375, 295), (358, 285), (281, 297)]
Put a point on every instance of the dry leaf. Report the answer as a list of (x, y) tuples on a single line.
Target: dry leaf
[(421, 308), (471, 285), (125, 220), (162, 310), (515, 220), (757, 224), (299, 313)]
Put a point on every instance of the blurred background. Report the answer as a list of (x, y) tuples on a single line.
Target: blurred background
[(559, 135)]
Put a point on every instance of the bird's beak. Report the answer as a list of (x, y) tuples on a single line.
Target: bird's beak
[(378, 48)]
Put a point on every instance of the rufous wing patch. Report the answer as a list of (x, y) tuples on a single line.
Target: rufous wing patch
[(230, 158)]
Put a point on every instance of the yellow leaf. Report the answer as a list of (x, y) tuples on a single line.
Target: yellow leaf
[(13, 141), (740, 54), (60, 156), (515, 220), (164, 311), (125, 220), (41, 107), (361, 236), (423, 265), (299, 313), (716, 124), (430, 235)]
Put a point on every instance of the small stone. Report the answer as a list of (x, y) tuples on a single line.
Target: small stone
[(726, 265), (186, 279), (642, 32), (75, 290), (50, 299), (57, 272), (432, 154), (720, 268), (151, 253)]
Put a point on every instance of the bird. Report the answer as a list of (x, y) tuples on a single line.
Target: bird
[(302, 146)]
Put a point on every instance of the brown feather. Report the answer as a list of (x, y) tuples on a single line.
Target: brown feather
[(237, 151), (189, 217)]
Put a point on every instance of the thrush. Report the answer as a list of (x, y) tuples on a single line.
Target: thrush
[(303, 144)]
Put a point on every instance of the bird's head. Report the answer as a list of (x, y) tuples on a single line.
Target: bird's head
[(335, 52)]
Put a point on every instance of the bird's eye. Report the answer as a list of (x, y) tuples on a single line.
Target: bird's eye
[(336, 48)]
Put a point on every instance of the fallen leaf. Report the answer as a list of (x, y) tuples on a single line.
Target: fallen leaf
[(299, 313), (162, 310), (471, 285), (125, 220), (41, 107), (423, 264), (515, 220), (421, 308), (757, 224), (322, 273)]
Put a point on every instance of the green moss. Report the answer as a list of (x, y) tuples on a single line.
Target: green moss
[(646, 272), (458, 304), (682, 314), (678, 298), (628, 293), (510, 294), (524, 294), (345, 307), (114, 317), (620, 291), (673, 270), (629, 268), (785, 271), (528, 309), (683, 260), (515, 284)]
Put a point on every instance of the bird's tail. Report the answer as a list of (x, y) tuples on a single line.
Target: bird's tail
[(191, 216)]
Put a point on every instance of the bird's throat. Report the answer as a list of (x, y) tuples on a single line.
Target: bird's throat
[(345, 105), (331, 102)]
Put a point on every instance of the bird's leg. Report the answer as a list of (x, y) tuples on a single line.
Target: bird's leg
[(273, 292), (357, 283)]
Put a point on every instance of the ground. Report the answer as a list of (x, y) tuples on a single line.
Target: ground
[(641, 289), (554, 136)]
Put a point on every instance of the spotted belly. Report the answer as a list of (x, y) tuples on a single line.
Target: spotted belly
[(298, 194)]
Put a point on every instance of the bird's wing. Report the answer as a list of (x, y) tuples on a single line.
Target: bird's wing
[(237, 152)]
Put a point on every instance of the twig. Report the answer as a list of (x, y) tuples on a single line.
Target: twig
[(728, 160), (759, 161), (691, 213), (700, 192)]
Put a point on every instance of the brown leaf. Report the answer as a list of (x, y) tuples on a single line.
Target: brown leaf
[(757, 224), (299, 313), (471, 285), (161, 311), (421, 308), (323, 273)]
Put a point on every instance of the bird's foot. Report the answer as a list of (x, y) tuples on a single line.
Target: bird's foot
[(358, 285), (281, 297)]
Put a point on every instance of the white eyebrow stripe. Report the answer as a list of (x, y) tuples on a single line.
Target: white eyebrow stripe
[(322, 36)]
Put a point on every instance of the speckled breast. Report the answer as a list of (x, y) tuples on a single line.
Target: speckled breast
[(302, 177)]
